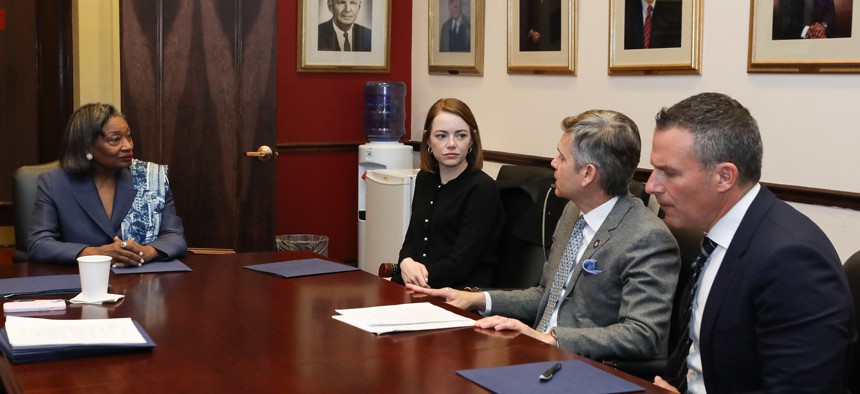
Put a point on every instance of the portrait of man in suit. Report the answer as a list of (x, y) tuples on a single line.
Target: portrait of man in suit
[(540, 25), (652, 24), (341, 32), (455, 35), (802, 19)]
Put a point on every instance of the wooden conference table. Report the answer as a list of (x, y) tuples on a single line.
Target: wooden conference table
[(222, 328)]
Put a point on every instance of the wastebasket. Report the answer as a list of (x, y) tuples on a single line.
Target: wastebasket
[(315, 243)]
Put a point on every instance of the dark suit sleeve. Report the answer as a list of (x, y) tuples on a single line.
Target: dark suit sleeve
[(633, 38), (802, 322), (825, 12), (326, 40), (171, 238), (45, 244)]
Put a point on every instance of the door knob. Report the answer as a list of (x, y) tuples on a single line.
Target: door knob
[(264, 153)]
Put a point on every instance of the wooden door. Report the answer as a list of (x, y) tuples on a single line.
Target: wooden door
[(198, 89), (35, 86)]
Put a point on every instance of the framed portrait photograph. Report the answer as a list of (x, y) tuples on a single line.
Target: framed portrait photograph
[(456, 37), (542, 37), (655, 37), (803, 36), (344, 35)]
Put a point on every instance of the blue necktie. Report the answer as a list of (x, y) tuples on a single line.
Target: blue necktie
[(678, 360), (568, 261)]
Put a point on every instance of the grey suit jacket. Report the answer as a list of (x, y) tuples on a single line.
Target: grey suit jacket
[(68, 216), (623, 312)]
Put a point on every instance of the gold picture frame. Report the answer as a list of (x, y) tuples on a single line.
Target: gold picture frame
[(782, 38), (319, 42), (675, 41), (456, 44), (542, 37)]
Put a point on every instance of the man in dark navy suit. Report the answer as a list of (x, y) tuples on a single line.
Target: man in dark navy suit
[(771, 310), (341, 33), (456, 33), (665, 24)]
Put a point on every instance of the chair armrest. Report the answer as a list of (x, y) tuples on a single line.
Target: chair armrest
[(386, 270), (643, 369)]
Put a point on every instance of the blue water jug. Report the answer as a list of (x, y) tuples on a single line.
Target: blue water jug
[(384, 110)]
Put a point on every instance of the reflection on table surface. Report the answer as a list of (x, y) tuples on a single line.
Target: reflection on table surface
[(223, 328)]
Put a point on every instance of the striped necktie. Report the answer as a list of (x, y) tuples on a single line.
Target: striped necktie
[(568, 261), (648, 27), (677, 364), (346, 46)]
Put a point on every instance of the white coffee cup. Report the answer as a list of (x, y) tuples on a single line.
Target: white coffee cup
[(94, 271)]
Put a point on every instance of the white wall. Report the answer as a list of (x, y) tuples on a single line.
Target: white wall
[(808, 122), (96, 52)]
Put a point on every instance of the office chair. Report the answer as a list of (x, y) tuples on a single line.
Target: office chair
[(525, 241), (689, 242), (24, 192), (852, 272), (637, 189)]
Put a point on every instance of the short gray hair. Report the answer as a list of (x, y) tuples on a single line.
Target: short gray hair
[(723, 131), (610, 141)]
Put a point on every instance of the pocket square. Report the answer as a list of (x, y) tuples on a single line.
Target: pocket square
[(590, 267)]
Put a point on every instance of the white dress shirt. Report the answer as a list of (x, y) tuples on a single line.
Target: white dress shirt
[(721, 233), (339, 34), (645, 10)]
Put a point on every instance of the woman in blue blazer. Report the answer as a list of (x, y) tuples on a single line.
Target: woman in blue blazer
[(102, 201)]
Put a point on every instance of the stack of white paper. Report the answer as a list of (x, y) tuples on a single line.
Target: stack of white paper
[(402, 317), (26, 339)]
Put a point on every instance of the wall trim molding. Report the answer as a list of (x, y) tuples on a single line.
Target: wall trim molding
[(318, 147), (799, 194)]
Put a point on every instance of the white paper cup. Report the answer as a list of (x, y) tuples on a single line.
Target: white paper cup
[(94, 272)]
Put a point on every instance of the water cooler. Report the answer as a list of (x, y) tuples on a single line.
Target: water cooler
[(389, 207), (384, 124)]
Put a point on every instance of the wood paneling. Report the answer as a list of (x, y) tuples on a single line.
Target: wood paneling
[(35, 75), (35, 87), (198, 82)]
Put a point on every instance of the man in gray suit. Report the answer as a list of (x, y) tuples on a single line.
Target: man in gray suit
[(606, 291)]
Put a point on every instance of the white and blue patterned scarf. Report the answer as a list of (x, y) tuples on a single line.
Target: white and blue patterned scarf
[(143, 221)]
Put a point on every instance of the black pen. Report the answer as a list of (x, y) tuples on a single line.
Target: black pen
[(547, 375)]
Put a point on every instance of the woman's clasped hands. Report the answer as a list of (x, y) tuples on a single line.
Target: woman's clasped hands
[(124, 253)]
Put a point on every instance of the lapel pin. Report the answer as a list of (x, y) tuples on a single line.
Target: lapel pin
[(596, 243)]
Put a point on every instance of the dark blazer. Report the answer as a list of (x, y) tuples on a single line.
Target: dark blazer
[(68, 216), (790, 18), (327, 38), (779, 317), (622, 312), (665, 25), (544, 17), (455, 42)]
